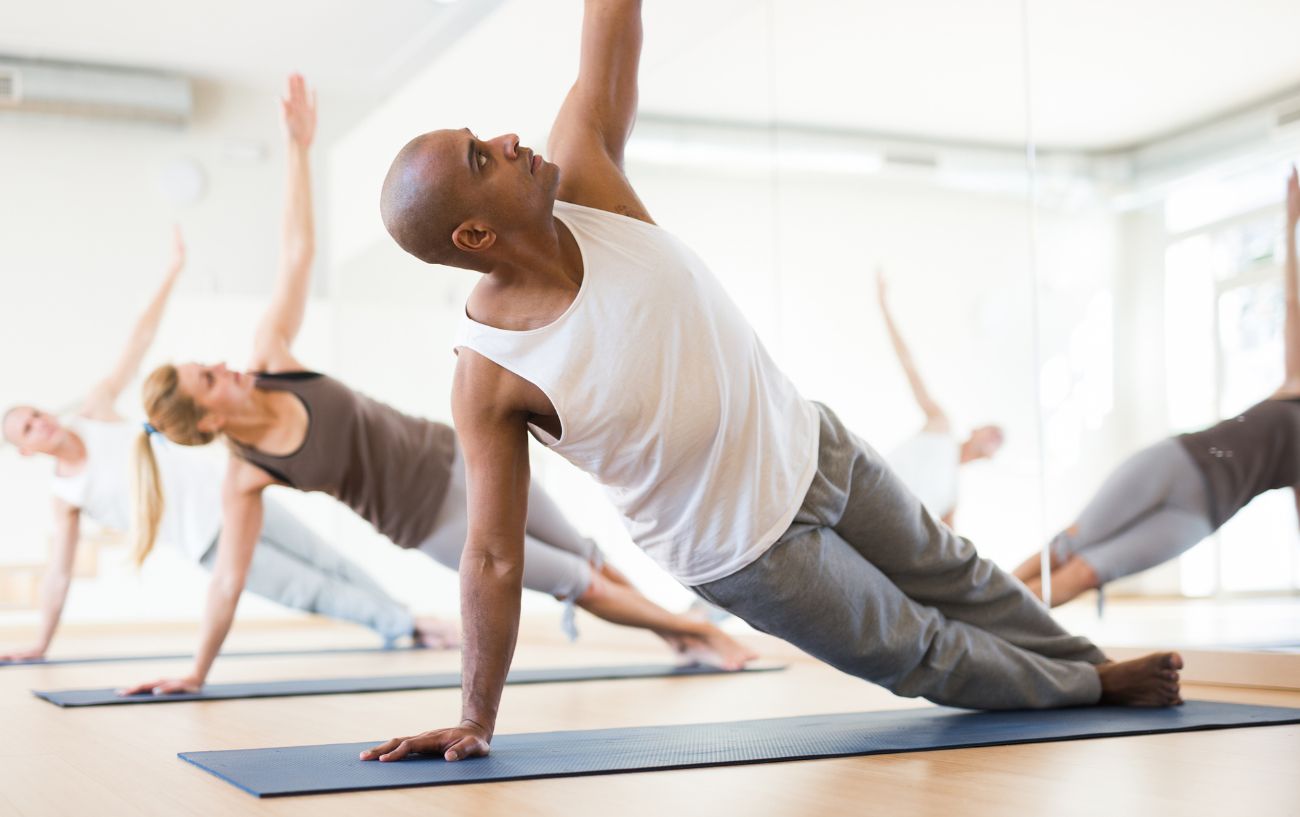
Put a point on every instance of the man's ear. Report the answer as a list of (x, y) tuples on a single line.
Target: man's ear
[(473, 236), (26, 452), (210, 424)]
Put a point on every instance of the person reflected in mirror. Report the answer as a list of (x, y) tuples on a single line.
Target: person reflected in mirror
[(1166, 498), (929, 460)]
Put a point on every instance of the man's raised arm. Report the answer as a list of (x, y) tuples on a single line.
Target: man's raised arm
[(594, 123)]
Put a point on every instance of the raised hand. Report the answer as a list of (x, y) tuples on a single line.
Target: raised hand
[(164, 686), (467, 740), (177, 262), (299, 108), (1292, 199)]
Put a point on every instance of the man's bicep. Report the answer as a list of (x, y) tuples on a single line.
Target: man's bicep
[(492, 427)]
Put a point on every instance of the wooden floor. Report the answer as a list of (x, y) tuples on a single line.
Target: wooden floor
[(122, 760)]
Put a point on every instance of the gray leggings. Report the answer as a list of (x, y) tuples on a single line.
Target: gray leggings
[(869, 582), (557, 559), (1149, 510), (295, 567)]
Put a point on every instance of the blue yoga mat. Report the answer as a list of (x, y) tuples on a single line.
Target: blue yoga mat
[(335, 767), (389, 683), (112, 659)]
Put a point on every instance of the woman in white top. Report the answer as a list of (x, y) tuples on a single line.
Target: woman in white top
[(92, 478), (927, 462)]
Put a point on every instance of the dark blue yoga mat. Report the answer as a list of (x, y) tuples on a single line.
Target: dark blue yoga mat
[(335, 767), (112, 659), (390, 683)]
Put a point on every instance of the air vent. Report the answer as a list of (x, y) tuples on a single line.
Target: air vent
[(10, 88), (94, 91)]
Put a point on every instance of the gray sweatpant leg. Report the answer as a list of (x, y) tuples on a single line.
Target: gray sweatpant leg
[(557, 559), (867, 581), (1149, 510), (293, 566)]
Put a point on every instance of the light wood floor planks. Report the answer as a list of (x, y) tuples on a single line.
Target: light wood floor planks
[(122, 760)]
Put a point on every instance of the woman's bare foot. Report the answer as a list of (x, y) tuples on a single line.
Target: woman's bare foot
[(437, 634), (710, 646), (1151, 680)]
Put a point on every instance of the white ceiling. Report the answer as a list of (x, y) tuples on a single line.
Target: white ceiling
[(1106, 73), (340, 46)]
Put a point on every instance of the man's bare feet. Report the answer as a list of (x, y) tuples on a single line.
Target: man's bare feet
[(437, 634), (710, 646), (1151, 680)]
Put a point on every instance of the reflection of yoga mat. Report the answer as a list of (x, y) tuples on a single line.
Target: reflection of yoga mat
[(392, 683), (110, 659), (335, 767)]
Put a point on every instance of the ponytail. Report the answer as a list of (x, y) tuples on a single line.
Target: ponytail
[(175, 415), (148, 498)]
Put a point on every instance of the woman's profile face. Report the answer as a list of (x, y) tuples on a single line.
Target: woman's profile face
[(215, 389)]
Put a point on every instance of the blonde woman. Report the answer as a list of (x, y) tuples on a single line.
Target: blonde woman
[(287, 425), (91, 452)]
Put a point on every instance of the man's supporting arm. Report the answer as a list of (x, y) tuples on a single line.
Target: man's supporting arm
[(493, 432)]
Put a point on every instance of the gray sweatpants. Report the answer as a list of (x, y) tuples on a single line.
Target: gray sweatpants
[(868, 581), (293, 566), (557, 559), (1150, 509)]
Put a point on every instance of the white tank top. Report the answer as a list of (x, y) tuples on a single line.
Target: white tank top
[(927, 463), (191, 480), (667, 398)]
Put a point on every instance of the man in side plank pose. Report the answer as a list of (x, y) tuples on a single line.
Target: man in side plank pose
[(609, 339)]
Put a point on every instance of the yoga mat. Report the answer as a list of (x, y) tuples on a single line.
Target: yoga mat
[(110, 659), (335, 767), (391, 683)]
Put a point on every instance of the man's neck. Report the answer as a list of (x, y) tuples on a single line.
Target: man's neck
[(70, 454), (530, 289)]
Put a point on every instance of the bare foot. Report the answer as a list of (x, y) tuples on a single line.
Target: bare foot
[(711, 646), (437, 634), (1151, 680)]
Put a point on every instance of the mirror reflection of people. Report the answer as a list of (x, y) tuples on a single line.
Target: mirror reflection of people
[(608, 339), (928, 461), (92, 453), (290, 426), (1169, 496)]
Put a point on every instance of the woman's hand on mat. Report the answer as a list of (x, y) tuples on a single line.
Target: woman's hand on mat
[(467, 740), (299, 108), (30, 654), (164, 686)]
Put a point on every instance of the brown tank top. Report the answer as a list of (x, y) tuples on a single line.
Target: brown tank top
[(1244, 456), (389, 467)]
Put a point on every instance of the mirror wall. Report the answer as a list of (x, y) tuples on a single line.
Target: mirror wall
[(1076, 212), (1159, 202)]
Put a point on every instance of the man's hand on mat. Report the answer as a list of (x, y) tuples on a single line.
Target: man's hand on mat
[(467, 740), (24, 655), (164, 686)]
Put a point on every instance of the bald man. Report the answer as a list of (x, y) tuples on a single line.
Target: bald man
[(605, 337)]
